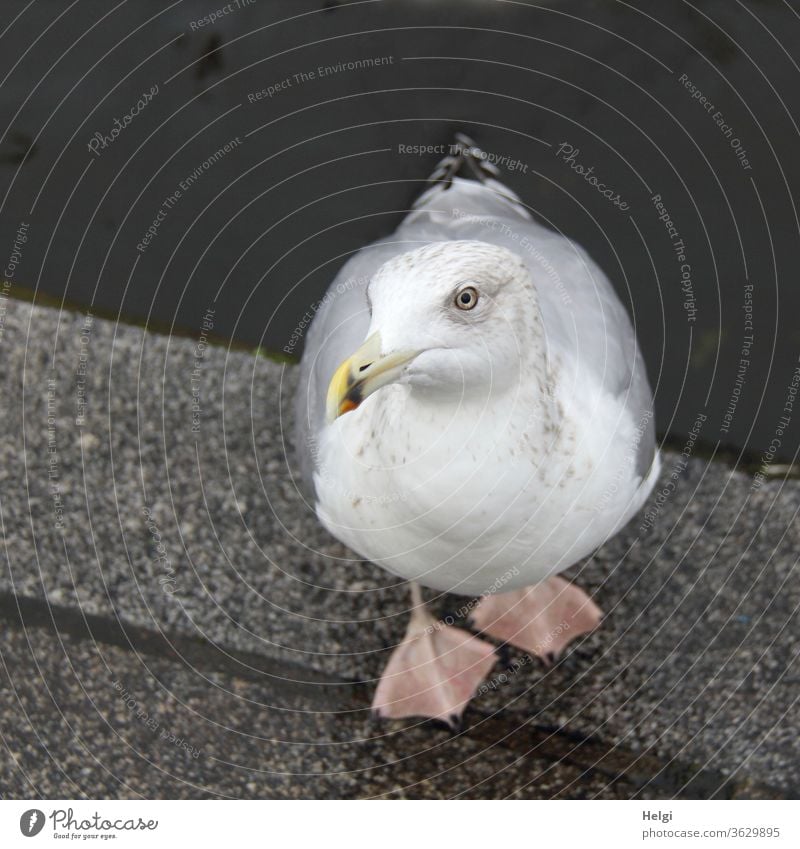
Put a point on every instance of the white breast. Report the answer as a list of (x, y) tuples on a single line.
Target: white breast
[(459, 496)]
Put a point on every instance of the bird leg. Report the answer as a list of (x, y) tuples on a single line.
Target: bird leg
[(542, 619), (434, 672)]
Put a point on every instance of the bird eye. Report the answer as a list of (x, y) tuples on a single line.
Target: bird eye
[(467, 298)]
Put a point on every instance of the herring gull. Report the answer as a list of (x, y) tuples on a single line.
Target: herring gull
[(474, 416)]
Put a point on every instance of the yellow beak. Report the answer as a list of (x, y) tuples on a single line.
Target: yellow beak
[(362, 374)]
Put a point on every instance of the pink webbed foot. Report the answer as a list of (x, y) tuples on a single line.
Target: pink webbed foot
[(434, 672), (542, 620)]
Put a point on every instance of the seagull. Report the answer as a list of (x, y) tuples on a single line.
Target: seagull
[(473, 415)]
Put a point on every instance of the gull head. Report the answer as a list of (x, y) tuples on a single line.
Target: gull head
[(450, 320)]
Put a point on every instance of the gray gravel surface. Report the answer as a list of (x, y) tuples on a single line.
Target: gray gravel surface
[(118, 501), (83, 719)]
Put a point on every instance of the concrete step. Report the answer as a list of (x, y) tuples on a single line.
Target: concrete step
[(120, 502)]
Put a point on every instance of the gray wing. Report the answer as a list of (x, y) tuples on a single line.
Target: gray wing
[(580, 308)]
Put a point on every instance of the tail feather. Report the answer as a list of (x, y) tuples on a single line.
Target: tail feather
[(467, 167), (465, 159)]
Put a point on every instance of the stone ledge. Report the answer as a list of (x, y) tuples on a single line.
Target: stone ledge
[(694, 661)]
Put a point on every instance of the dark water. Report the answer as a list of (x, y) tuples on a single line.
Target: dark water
[(255, 152)]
